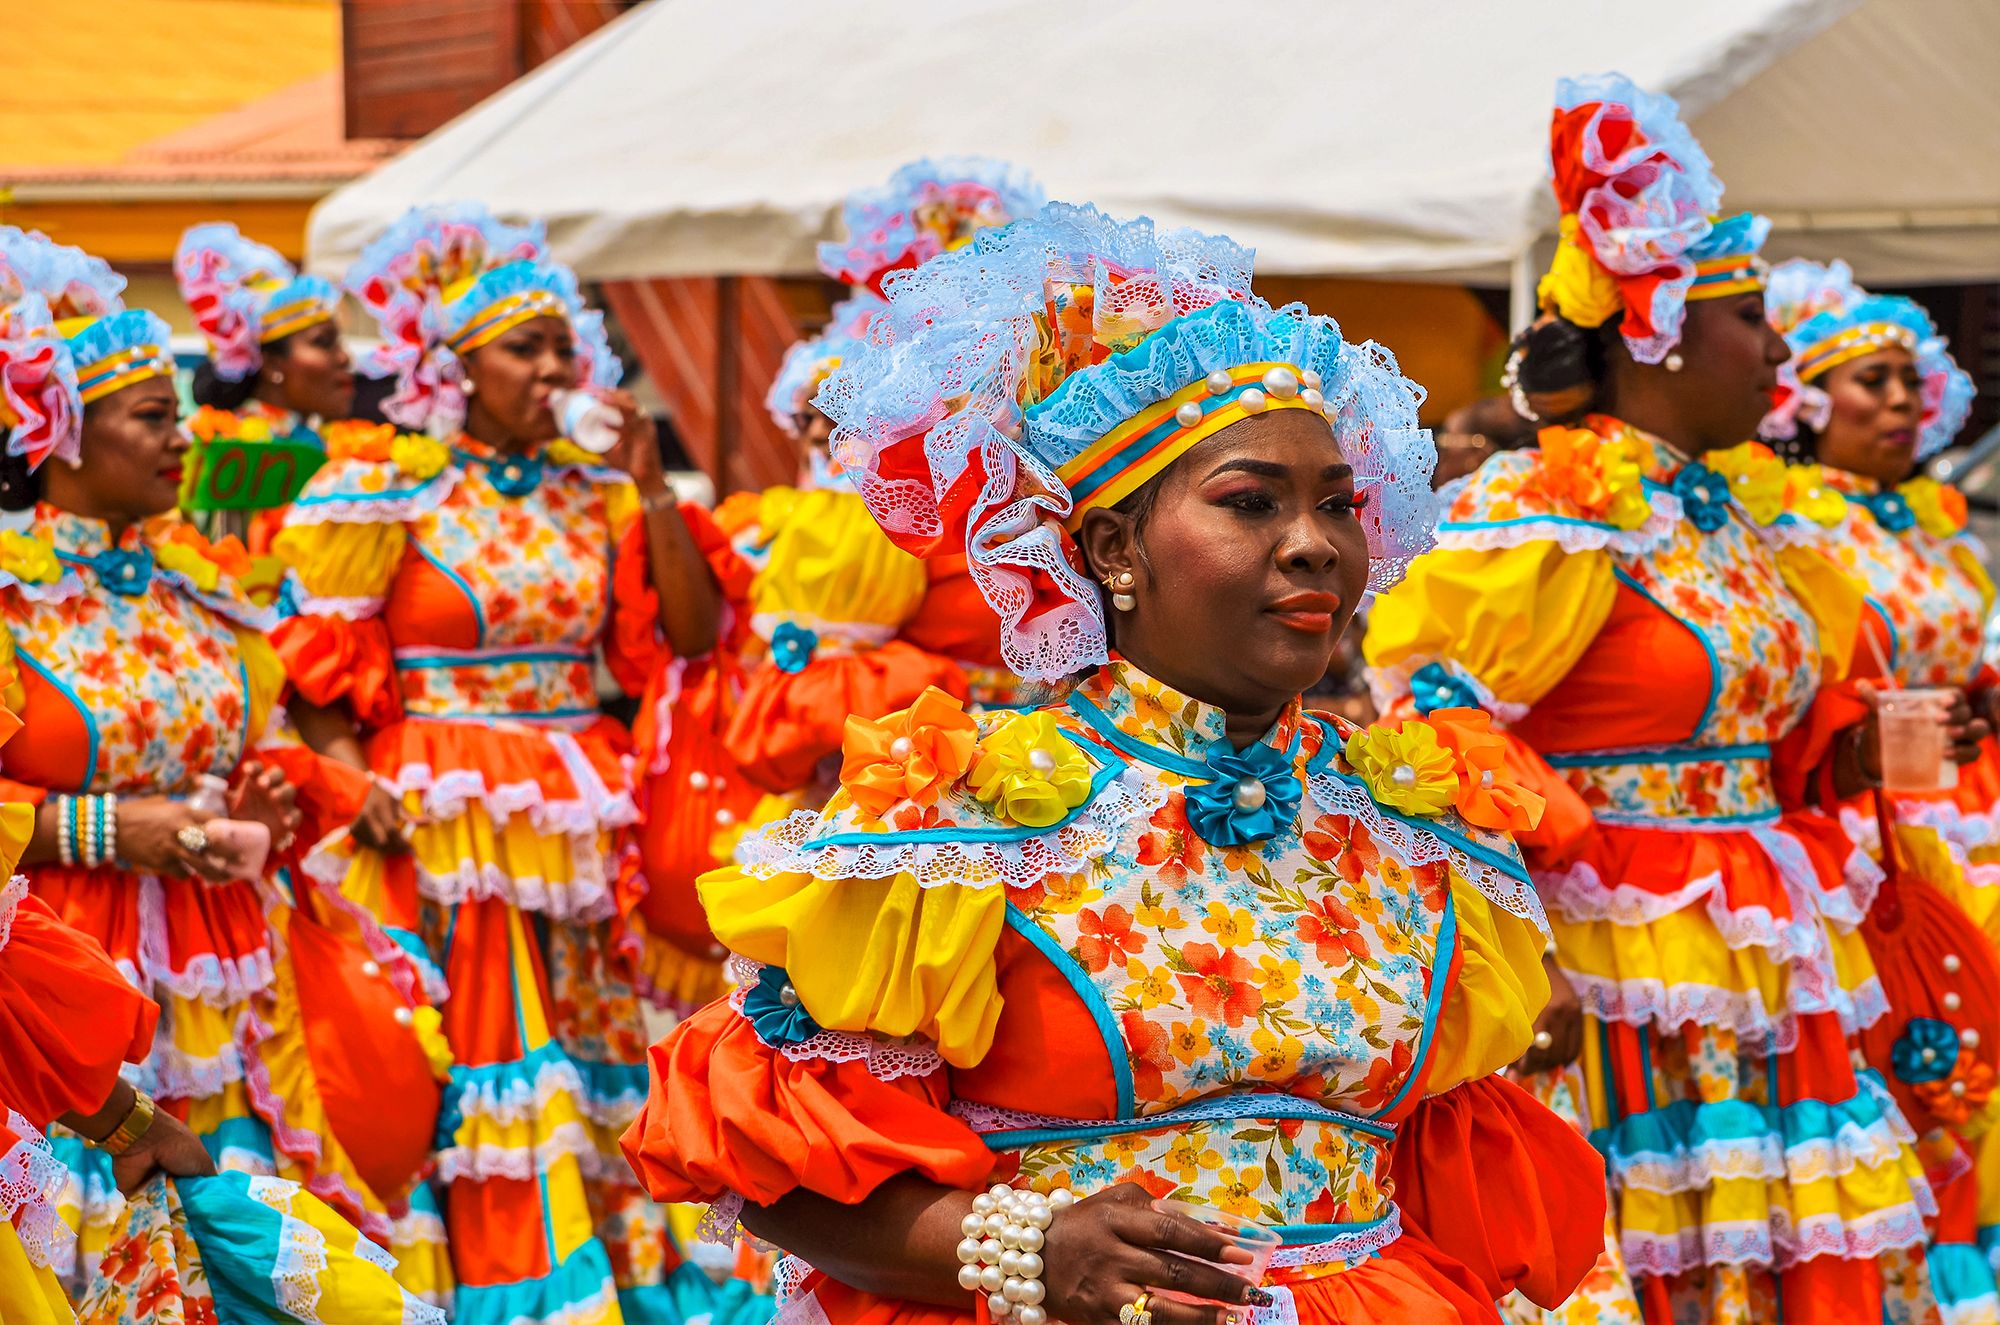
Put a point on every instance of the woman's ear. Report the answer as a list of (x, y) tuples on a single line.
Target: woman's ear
[(1109, 543)]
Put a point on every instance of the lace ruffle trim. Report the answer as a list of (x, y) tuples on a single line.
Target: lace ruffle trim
[(1778, 1242), (1414, 845), (11, 894), (31, 1181), (595, 809), (401, 499), (1647, 1001), (887, 1058), (793, 846), (1571, 536)]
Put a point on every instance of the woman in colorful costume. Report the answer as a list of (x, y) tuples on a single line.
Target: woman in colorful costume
[(141, 670), (1172, 935), (1869, 395), (1633, 601), (453, 600), (277, 367)]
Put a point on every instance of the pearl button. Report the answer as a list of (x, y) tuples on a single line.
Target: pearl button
[(1812, 494), (1249, 795), (1188, 415), (371, 969), (899, 749), (725, 818), (1253, 401), (1969, 1038), (1486, 778), (1952, 962), (1958, 1088), (1312, 398), (1403, 776), (790, 998), (1929, 1055), (1951, 1002), (1217, 382), (1281, 382), (403, 1016), (698, 780), (1309, 379), (1041, 761)]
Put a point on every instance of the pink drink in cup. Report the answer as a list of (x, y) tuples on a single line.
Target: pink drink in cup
[(1252, 1245), (1916, 754)]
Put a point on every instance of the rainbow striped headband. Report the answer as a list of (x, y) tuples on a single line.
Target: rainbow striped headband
[(95, 381), (305, 309), (1128, 456), (1734, 273), (1853, 343), (503, 315)]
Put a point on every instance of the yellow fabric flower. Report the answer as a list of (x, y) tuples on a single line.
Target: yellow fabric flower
[(428, 1023), (253, 429), (1939, 508), (1405, 768), (1601, 475), (1808, 494), (563, 451), (202, 573), (419, 456), (1032, 772), (28, 559), (1577, 285), (1756, 479)]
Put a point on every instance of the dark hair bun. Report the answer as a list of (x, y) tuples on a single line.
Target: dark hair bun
[(1561, 366), (218, 393)]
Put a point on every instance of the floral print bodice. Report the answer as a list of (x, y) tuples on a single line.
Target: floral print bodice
[(130, 650), (1265, 968), (1923, 571)]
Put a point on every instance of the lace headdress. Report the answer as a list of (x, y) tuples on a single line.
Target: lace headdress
[(928, 207), (1828, 320), (1061, 362), (1639, 233), (55, 291), (244, 295), (811, 361), (443, 281)]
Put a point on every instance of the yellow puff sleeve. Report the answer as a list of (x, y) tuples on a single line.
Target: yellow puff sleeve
[(343, 538), (1833, 598), (1489, 1018), (264, 675), (880, 955), (828, 562)]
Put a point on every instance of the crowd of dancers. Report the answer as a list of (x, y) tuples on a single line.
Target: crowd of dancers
[(1037, 949)]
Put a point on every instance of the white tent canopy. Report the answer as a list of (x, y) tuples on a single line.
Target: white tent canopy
[(1335, 136)]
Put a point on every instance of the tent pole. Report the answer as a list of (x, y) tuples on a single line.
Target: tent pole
[(1525, 271)]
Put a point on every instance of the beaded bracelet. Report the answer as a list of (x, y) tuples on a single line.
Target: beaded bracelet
[(66, 829), (1000, 1254), (86, 830)]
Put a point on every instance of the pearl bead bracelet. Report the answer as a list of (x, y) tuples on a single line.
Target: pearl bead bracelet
[(1001, 1253)]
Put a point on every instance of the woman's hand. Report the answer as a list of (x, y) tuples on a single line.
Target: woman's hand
[(1561, 1021), (1964, 731), (149, 837), (167, 1146), (1105, 1250), (262, 795), (379, 826), (637, 450)]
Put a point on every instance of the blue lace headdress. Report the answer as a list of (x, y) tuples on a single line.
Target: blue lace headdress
[(1828, 320), (244, 295), (1060, 362)]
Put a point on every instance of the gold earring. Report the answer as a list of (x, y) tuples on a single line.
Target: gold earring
[(1121, 586)]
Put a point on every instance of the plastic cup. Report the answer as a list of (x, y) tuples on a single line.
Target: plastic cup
[(587, 420), (1256, 1241), (1915, 753)]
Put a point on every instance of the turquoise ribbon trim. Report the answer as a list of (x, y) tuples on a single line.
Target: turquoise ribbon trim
[(1307, 1235), (1441, 959), (601, 1081), (1093, 1000), (1263, 1106), (1714, 662), (1960, 1274), (1146, 752), (492, 658), (89, 719), (471, 598), (1452, 526), (1666, 754), (1672, 1132), (584, 1276), (245, 1136), (1099, 780)]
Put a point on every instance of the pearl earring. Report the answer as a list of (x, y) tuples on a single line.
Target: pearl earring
[(1121, 586), (277, 377), (1675, 363)]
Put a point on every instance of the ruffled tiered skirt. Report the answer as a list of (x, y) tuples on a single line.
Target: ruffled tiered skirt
[(1753, 1168), (510, 896)]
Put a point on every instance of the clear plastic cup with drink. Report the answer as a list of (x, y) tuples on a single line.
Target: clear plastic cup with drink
[(1251, 1245), (587, 419), (1916, 749)]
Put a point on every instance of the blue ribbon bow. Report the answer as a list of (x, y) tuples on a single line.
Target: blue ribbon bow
[(1704, 496), (792, 647), (776, 1013), (1924, 1036), (1435, 686), (128, 571), (1890, 509), (1254, 795), (515, 475)]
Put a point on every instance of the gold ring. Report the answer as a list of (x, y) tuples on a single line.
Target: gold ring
[(1135, 1313)]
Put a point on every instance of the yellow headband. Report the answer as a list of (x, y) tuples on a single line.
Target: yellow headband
[(1739, 273), (137, 364), (1123, 460), (1851, 344), (503, 315)]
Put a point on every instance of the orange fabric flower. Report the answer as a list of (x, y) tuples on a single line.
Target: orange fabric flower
[(352, 439), (908, 755), (1600, 475), (1487, 797), (1953, 1107)]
